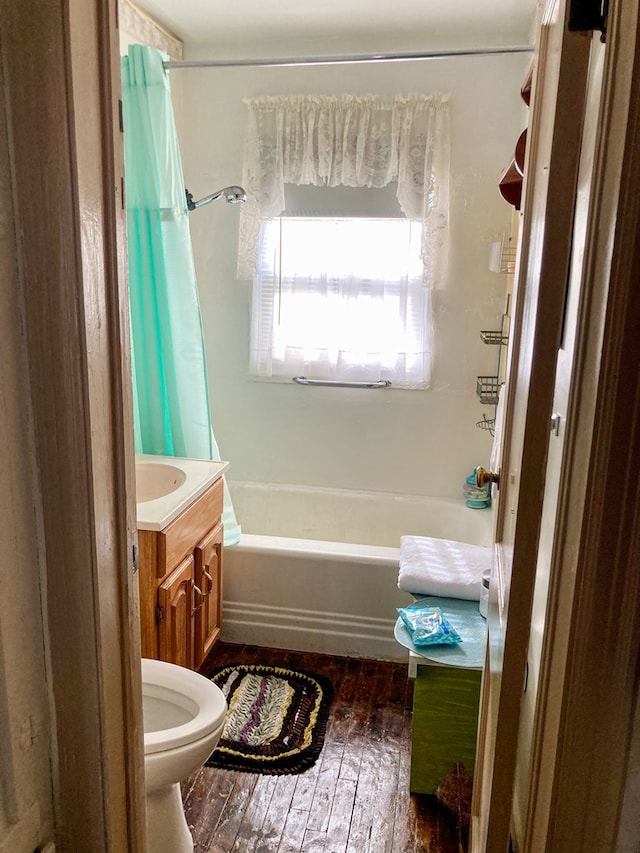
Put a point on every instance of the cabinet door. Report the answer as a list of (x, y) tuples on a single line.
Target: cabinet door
[(208, 578), (444, 724), (176, 617)]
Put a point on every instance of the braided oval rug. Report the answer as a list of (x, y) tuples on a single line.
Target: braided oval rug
[(276, 718)]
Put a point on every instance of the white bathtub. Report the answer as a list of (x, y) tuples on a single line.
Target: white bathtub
[(317, 569)]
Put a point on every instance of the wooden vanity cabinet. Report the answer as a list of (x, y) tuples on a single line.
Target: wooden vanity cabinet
[(180, 571)]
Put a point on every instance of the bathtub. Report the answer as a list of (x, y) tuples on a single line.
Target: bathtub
[(316, 569)]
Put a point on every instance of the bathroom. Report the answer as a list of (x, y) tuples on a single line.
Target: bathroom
[(337, 464), (325, 480), (80, 657), (65, 680)]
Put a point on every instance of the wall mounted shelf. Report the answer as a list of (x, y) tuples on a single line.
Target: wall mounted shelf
[(502, 256), (495, 338), (487, 388)]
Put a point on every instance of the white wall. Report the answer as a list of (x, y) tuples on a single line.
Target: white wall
[(26, 807), (422, 443)]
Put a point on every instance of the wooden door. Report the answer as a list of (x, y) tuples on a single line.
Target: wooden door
[(208, 575), (588, 578), (551, 551), (553, 150), (175, 628)]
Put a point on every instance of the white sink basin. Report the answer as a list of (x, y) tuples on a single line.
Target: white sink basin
[(155, 480), (167, 485)]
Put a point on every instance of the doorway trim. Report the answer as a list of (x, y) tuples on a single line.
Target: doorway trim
[(60, 78)]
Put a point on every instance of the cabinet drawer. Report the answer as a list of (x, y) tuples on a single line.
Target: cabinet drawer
[(177, 540)]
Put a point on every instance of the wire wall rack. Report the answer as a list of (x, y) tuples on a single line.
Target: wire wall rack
[(488, 424), (487, 388), (502, 257), (494, 337)]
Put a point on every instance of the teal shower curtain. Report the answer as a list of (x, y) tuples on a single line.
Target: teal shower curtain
[(170, 390)]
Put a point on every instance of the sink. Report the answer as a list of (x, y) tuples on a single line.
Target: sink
[(167, 485), (156, 480)]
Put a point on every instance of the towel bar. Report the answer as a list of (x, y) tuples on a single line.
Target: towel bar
[(337, 383)]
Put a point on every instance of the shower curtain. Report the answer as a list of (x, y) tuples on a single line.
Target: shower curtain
[(170, 390)]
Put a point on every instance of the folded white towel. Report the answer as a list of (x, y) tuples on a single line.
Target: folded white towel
[(442, 567)]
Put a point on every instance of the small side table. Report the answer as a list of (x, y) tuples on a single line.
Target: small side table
[(446, 695)]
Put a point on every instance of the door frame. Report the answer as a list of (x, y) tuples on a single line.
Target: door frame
[(61, 88), (592, 630)]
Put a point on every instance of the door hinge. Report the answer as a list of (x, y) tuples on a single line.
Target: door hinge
[(120, 117), (585, 15), (159, 613)]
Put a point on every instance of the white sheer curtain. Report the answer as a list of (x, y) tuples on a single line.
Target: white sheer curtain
[(341, 299), (355, 141)]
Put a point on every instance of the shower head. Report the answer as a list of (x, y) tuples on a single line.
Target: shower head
[(234, 195)]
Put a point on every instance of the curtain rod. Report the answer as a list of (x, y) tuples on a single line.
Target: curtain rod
[(337, 60)]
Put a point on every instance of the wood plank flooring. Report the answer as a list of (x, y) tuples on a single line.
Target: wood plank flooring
[(355, 799)]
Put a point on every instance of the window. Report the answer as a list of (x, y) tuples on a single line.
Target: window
[(343, 299), (342, 285)]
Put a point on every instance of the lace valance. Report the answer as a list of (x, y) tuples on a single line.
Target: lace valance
[(354, 141)]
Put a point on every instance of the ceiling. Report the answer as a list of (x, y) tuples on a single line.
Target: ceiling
[(243, 28)]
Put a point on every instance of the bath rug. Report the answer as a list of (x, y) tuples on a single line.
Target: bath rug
[(276, 719)]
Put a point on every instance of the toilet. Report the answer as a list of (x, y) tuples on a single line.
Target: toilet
[(183, 719)]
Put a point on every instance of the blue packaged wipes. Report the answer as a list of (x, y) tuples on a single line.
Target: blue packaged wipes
[(427, 625)]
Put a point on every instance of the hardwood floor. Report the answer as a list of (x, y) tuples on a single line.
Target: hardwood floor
[(355, 799)]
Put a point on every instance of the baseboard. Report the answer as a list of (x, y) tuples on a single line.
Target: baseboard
[(345, 634)]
